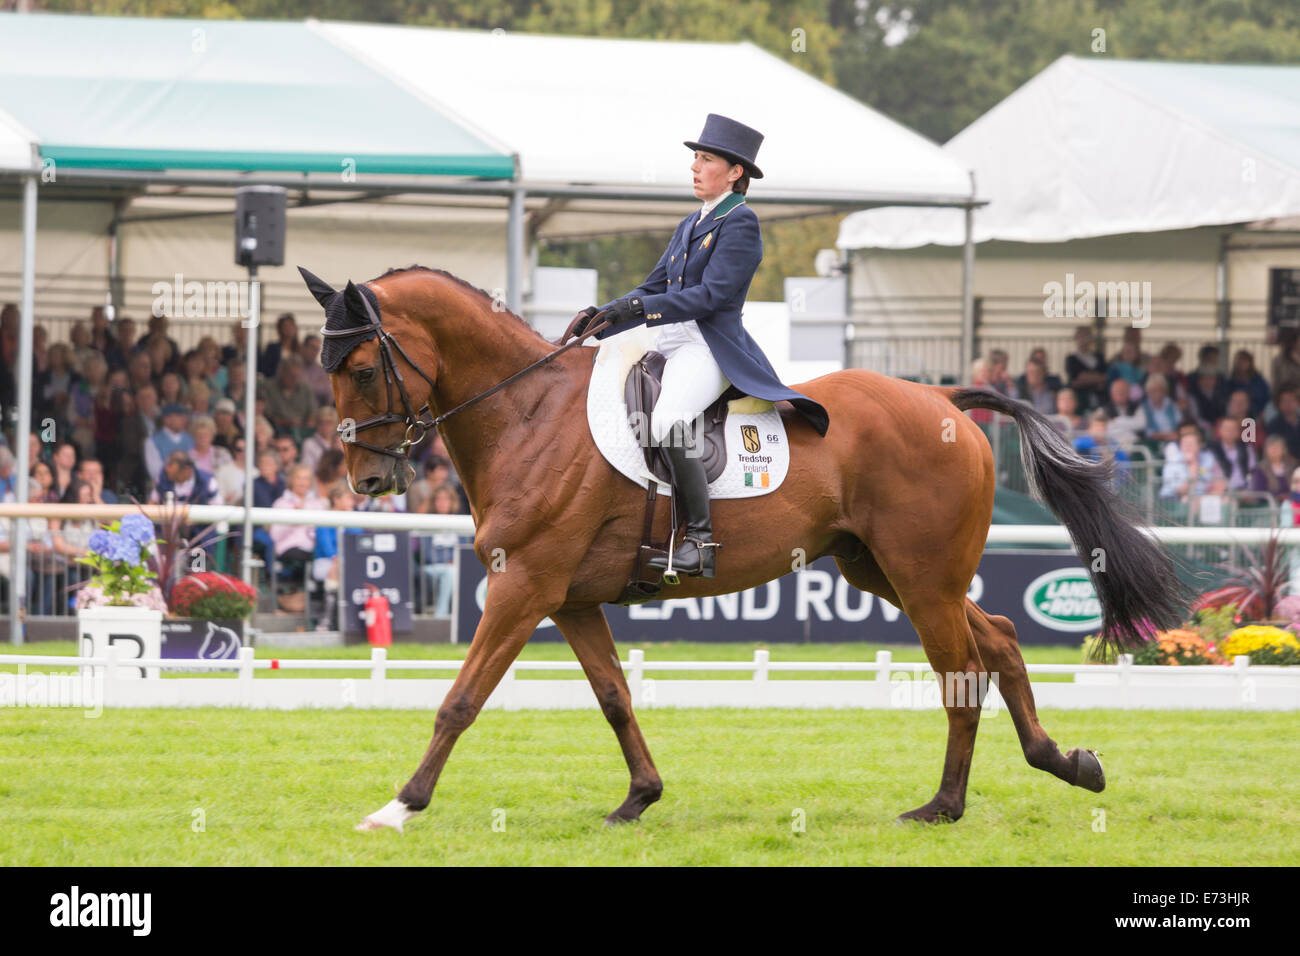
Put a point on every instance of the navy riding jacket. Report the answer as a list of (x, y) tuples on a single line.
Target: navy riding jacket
[(704, 275)]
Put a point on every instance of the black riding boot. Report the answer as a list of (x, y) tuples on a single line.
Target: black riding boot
[(694, 556)]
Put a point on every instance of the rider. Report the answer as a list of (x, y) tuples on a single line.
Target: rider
[(694, 297)]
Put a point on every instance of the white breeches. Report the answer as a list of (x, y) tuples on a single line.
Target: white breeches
[(692, 382)]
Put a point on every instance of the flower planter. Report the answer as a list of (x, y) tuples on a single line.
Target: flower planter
[(192, 638), (136, 632)]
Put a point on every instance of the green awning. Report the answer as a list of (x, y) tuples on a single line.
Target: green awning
[(134, 93)]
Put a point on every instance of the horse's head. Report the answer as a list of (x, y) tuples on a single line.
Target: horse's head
[(379, 389)]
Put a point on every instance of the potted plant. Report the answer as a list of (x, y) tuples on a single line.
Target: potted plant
[(210, 609), (121, 605)]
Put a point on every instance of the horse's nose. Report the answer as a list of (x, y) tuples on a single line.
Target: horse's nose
[(370, 486)]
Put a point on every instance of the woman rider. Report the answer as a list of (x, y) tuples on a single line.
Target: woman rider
[(694, 297)]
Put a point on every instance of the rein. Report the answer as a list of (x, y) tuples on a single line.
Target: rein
[(392, 375)]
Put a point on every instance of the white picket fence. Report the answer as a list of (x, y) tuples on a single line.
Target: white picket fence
[(114, 681)]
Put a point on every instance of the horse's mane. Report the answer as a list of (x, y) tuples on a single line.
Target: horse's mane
[(468, 285)]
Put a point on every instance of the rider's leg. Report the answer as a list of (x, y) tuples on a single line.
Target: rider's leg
[(692, 382)]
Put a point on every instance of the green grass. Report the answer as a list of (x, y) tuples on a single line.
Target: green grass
[(559, 651), (1184, 788)]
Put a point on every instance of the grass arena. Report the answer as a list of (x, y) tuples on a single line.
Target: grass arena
[(749, 787)]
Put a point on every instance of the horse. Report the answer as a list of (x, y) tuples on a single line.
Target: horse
[(899, 491)]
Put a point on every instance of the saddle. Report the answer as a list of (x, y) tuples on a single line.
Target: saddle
[(640, 394)]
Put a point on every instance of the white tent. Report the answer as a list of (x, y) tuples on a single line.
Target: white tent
[(615, 112), (1096, 147)]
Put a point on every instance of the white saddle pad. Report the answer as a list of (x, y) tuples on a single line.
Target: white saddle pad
[(747, 473)]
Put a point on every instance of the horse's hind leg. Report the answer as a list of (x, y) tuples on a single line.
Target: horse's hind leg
[(996, 639), (588, 634)]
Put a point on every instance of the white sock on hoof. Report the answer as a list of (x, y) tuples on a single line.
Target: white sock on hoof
[(394, 814)]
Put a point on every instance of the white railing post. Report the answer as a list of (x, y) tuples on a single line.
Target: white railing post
[(636, 675), (245, 678), (760, 664), (112, 679), (1240, 670), (883, 660), (1125, 662), (379, 663)]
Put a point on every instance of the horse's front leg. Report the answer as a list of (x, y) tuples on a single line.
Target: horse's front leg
[(514, 607)]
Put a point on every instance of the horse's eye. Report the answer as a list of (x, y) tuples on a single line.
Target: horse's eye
[(363, 376)]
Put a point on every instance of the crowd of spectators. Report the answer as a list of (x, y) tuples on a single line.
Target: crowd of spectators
[(1207, 432), (121, 416)]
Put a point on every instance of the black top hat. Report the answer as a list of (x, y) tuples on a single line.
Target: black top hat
[(734, 141)]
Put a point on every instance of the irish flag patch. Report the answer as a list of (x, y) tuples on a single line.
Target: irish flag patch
[(756, 481)]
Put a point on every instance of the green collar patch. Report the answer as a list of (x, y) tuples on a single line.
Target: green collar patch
[(728, 204)]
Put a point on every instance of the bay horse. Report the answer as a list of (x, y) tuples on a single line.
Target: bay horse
[(899, 491)]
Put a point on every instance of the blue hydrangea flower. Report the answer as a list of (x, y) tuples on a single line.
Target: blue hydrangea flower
[(137, 529), (101, 542)]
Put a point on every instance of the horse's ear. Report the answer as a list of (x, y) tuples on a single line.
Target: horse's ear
[(318, 287), (356, 304)]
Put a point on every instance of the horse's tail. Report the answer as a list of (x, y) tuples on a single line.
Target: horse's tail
[(1132, 574)]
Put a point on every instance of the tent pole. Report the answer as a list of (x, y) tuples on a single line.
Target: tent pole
[(515, 252), (1223, 318), (22, 428), (968, 290)]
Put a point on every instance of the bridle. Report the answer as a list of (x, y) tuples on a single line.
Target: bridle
[(417, 427)]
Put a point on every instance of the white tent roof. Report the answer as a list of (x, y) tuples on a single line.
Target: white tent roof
[(610, 111), (16, 144), (1094, 147)]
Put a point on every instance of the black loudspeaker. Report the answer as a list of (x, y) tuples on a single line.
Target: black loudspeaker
[(259, 225)]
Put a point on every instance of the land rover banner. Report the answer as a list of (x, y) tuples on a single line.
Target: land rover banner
[(1047, 596)]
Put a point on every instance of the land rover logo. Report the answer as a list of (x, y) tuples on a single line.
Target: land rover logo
[(1064, 600)]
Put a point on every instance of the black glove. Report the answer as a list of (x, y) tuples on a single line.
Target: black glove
[(584, 323), (626, 310)]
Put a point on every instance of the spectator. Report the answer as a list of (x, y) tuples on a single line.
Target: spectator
[(1097, 445), (1126, 365), (1034, 388), (148, 408), (1127, 421), (65, 466), (313, 373), (158, 333), (120, 353), (1085, 369), (1132, 342), (290, 405), (162, 358), (46, 567), (1286, 366), (1170, 357), (1239, 410), (286, 327), (999, 379), (139, 371), (186, 483), (1053, 381), (236, 377), (223, 418), (90, 473), (207, 456), (330, 470), (437, 554), (79, 339), (979, 378), (325, 436), (1236, 458), (1207, 391), (8, 478), (128, 474), (1245, 376), (1272, 474), (235, 351), (1287, 420), (230, 475), (1162, 415), (71, 537), (295, 545), (102, 339), (325, 556), (214, 372), (268, 485), (1190, 471), (171, 390), (53, 387), (198, 398), (81, 404), (172, 437)]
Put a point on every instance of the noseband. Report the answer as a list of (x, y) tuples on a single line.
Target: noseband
[(416, 427)]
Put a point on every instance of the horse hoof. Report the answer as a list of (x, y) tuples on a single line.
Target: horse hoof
[(1087, 770), (927, 814), (392, 816), (614, 820)]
